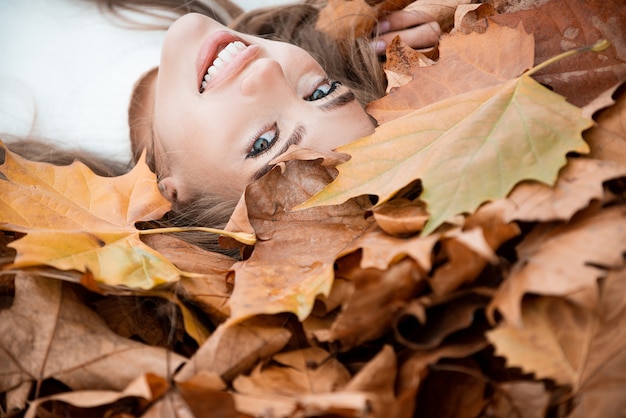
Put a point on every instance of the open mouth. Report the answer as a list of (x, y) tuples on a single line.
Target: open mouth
[(221, 56)]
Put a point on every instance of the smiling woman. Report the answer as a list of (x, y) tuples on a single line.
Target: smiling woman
[(226, 100)]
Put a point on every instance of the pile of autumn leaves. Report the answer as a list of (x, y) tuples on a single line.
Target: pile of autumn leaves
[(512, 305)]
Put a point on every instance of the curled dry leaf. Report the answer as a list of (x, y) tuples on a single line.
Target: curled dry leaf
[(607, 139), (294, 373), (579, 182), (573, 346), (424, 326), (146, 388), (235, 349), (41, 338), (467, 15), (441, 11), (377, 297), (283, 274), (564, 260)]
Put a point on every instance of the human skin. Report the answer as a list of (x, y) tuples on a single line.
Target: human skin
[(267, 95)]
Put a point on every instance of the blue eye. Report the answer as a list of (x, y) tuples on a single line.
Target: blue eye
[(323, 90), (263, 142)]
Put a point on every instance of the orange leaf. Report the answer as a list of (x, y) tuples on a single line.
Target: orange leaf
[(465, 64), (76, 220)]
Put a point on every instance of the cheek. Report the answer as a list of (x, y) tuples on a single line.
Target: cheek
[(346, 126)]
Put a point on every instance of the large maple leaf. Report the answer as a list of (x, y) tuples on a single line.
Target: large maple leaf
[(466, 149), (76, 220)]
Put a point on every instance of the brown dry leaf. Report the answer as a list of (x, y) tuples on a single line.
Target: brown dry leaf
[(603, 379), (235, 349), (205, 396), (401, 217), (377, 297), (414, 369), (573, 346), (468, 252), (283, 274), (294, 373), (466, 150), (402, 60), (466, 63), (49, 333), (146, 388), (344, 19), (426, 323), (441, 11), (466, 398), (563, 25), (467, 15), (76, 220), (381, 250), (564, 260), (607, 139), (521, 399), (349, 19), (579, 182)]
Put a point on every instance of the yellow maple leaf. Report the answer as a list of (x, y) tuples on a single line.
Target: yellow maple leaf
[(76, 220), (467, 149)]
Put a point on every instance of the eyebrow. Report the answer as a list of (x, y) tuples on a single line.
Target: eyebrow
[(294, 139), (300, 131), (339, 101)]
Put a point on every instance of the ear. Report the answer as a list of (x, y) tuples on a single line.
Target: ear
[(167, 187)]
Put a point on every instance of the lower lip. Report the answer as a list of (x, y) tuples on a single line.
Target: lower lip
[(234, 66)]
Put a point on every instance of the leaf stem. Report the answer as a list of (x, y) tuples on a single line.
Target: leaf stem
[(601, 45), (244, 238)]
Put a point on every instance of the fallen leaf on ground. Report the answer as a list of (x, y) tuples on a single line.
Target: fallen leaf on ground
[(466, 150), (50, 333), (465, 64), (75, 220), (564, 260)]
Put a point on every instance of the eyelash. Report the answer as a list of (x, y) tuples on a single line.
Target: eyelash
[(334, 86)]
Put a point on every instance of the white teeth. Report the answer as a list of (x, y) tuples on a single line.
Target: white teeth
[(223, 58)]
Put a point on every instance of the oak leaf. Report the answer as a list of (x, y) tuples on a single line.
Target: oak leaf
[(76, 220), (466, 150)]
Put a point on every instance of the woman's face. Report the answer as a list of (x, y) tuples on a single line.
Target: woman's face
[(260, 97)]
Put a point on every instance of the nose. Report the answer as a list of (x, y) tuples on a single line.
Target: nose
[(265, 75)]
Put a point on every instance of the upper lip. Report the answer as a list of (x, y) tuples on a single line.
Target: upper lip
[(209, 50)]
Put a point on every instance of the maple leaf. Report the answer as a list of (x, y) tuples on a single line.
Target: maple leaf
[(466, 150), (464, 65), (77, 220), (589, 356), (283, 274), (50, 333), (567, 254), (561, 25)]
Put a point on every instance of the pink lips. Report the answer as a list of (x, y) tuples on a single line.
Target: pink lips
[(209, 50)]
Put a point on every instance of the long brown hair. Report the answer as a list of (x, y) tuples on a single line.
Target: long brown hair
[(351, 61)]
